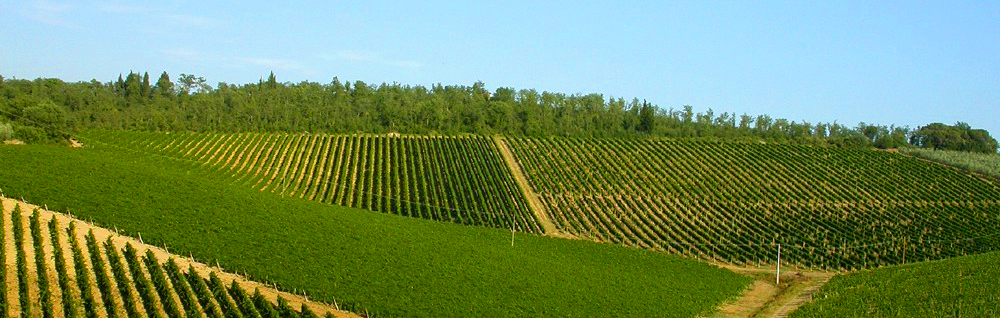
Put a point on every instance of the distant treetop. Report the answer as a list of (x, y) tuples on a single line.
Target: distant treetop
[(45, 109), (960, 137)]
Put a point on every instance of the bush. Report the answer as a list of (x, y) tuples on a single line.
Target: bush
[(6, 131), (29, 134)]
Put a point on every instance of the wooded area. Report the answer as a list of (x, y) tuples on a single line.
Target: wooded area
[(44, 110)]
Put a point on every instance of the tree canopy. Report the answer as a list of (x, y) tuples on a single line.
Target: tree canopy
[(960, 137), (191, 104)]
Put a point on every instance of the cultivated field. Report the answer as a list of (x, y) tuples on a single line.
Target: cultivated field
[(57, 266), (734, 202), (454, 179), (967, 286), (377, 263), (730, 202), (986, 164)]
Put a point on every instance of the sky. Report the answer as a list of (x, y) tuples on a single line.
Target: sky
[(906, 63)]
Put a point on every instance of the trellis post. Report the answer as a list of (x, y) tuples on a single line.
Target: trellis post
[(777, 274)]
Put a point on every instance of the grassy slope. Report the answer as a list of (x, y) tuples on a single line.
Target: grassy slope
[(966, 286), (987, 164), (389, 265)]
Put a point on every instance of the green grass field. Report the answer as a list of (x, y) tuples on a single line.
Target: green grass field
[(967, 286), (367, 262), (984, 163)]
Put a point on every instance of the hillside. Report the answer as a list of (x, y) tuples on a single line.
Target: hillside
[(57, 266), (985, 163), (959, 287), (453, 179), (732, 202), (382, 264)]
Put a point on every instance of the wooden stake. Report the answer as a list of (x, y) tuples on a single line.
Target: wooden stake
[(512, 237), (777, 275), (904, 250)]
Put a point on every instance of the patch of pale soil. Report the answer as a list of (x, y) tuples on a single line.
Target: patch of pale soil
[(318, 169), (87, 264), (522, 182), (262, 159), (328, 178), (29, 256), (158, 307), (114, 295), (281, 162), (751, 301), (796, 297), (765, 299), (67, 253), (55, 293), (303, 162), (120, 241), (358, 156)]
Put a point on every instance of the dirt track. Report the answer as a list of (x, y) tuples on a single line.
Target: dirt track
[(765, 299), (522, 182)]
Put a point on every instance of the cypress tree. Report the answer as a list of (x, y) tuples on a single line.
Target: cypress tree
[(272, 82), (145, 90), (164, 87)]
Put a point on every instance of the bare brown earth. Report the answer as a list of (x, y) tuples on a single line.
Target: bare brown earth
[(540, 212), (766, 299), (120, 241)]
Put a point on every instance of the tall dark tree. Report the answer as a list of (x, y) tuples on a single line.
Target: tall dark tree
[(145, 89), (164, 87), (133, 86), (120, 86), (272, 82), (647, 116)]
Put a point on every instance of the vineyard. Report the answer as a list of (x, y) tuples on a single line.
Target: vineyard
[(453, 179), (960, 287), (735, 202), (378, 263), (60, 267)]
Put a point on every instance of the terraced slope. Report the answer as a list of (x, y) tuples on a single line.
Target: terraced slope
[(454, 179), (960, 287), (57, 266), (735, 202)]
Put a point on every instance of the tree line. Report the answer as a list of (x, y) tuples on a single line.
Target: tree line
[(48, 109)]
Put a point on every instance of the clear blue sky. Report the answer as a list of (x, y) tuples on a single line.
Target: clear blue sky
[(902, 62)]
